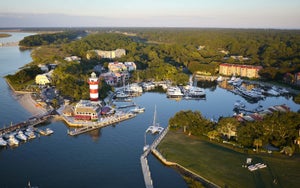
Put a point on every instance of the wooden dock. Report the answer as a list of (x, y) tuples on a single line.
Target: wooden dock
[(103, 123), (29, 122)]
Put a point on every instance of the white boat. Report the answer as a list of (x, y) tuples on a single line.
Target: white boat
[(122, 95), (46, 132), (133, 88), (249, 94), (273, 92), (49, 131), (20, 135), (138, 109), (282, 91), (232, 79), (195, 92), (220, 79), (174, 92), (239, 105), (148, 86), (2, 142), (30, 134), (12, 141), (155, 128)]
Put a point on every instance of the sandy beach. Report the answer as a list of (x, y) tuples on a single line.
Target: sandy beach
[(30, 105)]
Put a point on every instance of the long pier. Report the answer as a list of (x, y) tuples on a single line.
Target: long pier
[(32, 121), (105, 122), (144, 161)]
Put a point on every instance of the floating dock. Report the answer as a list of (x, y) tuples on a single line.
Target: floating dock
[(30, 122), (102, 123)]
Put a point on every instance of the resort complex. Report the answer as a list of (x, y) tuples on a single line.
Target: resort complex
[(248, 71)]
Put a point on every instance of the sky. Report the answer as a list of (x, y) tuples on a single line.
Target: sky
[(278, 14)]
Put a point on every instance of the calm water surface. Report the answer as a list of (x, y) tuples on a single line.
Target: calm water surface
[(108, 157)]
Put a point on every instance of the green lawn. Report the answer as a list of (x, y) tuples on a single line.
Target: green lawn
[(223, 166)]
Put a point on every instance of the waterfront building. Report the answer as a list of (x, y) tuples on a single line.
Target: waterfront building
[(93, 82), (249, 71), (107, 54), (87, 110)]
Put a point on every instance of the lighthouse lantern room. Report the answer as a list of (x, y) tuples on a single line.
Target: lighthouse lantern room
[(93, 82)]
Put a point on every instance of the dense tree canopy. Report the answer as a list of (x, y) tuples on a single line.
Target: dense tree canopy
[(45, 39), (277, 129), (168, 54), (192, 122), (24, 75)]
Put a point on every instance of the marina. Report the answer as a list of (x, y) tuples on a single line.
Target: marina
[(33, 121), (102, 152)]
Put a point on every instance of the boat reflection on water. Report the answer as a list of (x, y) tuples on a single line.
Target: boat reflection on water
[(95, 134)]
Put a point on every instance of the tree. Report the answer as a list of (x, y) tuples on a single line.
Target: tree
[(258, 143), (228, 127), (288, 150), (213, 134)]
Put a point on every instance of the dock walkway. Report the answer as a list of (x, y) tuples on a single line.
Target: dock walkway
[(144, 161), (105, 122), (29, 122)]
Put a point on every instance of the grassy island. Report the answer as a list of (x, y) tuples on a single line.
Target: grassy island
[(223, 165), (4, 35)]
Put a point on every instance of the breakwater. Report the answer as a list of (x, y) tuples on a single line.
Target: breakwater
[(89, 126)]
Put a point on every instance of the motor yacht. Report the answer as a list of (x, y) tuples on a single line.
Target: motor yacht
[(2, 142), (138, 109), (174, 92), (12, 141), (20, 135), (195, 92)]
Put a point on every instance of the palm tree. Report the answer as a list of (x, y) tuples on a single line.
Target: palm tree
[(258, 143)]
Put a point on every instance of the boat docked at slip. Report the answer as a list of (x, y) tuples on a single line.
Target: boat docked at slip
[(138, 109), (30, 134), (122, 95), (194, 92), (239, 105), (21, 136), (248, 94), (155, 128), (12, 141), (220, 79), (46, 132), (133, 89), (174, 92), (2, 142)]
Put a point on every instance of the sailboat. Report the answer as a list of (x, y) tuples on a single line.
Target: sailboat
[(155, 128)]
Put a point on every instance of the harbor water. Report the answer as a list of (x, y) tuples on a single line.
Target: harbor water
[(107, 157)]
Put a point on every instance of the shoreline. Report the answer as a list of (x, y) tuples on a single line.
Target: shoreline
[(29, 104), (26, 101)]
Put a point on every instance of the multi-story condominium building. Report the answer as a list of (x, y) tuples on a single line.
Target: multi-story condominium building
[(108, 54), (249, 71)]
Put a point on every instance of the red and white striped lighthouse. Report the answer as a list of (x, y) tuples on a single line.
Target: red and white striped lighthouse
[(93, 81)]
